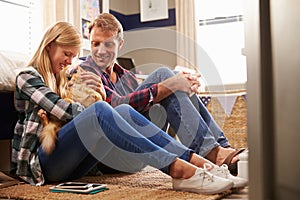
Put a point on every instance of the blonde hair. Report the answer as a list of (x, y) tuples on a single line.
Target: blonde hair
[(63, 33), (107, 23)]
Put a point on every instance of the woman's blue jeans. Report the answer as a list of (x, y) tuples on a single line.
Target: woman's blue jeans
[(120, 138), (190, 119)]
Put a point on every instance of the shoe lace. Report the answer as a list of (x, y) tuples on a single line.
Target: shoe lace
[(205, 174), (224, 170)]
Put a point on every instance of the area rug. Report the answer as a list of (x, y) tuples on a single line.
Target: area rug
[(147, 184)]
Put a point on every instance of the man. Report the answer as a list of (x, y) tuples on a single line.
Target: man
[(187, 115)]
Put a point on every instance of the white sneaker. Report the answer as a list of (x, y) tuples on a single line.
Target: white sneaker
[(203, 182), (223, 172)]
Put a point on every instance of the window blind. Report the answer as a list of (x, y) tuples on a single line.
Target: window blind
[(221, 34), (20, 22)]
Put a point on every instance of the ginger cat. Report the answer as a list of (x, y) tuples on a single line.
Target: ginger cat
[(77, 92)]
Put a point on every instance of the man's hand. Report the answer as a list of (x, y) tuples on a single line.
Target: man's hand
[(194, 80), (182, 81), (194, 77), (93, 81)]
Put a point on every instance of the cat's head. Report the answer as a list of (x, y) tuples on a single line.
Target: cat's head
[(71, 86)]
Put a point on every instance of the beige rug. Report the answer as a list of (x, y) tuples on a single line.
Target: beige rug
[(147, 184), (235, 125)]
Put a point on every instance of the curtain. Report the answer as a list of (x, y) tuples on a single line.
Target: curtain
[(186, 33), (61, 10)]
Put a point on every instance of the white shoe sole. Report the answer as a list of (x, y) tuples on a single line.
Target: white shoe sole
[(205, 191)]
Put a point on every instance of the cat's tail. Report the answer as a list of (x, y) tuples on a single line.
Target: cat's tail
[(48, 137)]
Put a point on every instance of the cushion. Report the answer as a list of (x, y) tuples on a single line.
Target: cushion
[(10, 65)]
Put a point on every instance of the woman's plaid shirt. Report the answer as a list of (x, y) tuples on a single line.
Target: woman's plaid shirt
[(31, 95)]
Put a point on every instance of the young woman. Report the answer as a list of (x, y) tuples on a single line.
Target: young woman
[(118, 137)]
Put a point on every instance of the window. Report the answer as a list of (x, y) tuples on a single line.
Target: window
[(21, 25), (221, 35)]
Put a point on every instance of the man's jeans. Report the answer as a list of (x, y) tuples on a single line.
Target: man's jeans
[(190, 119)]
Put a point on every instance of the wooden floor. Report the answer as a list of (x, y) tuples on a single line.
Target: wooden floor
[(238, 195)]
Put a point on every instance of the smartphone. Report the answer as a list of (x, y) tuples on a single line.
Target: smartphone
[(79, 187), (74, 185)]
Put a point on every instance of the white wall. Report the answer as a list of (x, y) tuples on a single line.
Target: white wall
[(147, 57)]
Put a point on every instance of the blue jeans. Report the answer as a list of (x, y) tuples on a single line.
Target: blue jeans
[(190, 119), (120, 138)]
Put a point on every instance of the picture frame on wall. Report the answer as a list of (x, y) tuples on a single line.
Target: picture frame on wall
[(89, 9), (85, 24), (152, 10)]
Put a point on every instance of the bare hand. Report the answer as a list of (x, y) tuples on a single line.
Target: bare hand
[(94, 82), (194, 80), (183, 81), (42, 114)]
